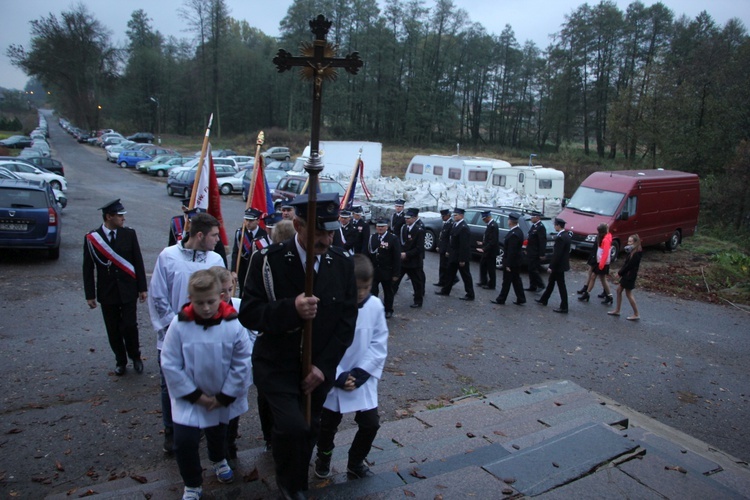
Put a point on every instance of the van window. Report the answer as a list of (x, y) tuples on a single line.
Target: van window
[(437, 171), (498, 180), (454, 173), (521, 177), (545, 183), (478, 175), (630, 206), (417, 168)]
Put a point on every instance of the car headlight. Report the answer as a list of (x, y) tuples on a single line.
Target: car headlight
[(591, 238)]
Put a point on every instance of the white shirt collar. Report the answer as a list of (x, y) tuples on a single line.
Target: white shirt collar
[(303, 254)]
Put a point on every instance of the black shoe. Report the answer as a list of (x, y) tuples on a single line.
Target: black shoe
[(608, 300), (389, 315), (530, 289), (487, 287), (168, 441), (602, 295), (482, 284), (467, 297), (358, 471), (323, 466), (415, 306), (138, 365), (120, 370), (438, 284), (541, 302), (442, 293), (498, 302), (584, 289), (585, 297), (561, 310), (519, 303)]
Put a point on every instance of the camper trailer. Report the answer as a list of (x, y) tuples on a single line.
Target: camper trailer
[(450, 169), (660, 205), (541, 182)]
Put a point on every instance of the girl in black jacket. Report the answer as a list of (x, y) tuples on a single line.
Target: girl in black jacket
[(628, 273)]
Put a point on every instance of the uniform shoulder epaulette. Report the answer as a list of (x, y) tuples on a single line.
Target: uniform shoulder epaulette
[(273, 248)]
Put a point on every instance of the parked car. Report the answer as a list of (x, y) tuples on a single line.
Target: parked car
[(277, 153), (162, 169), (29, 216), (130, 157), (272, 178), (28, 171), (477, 227), (16, 142), (291, 185), (232, 184), (60, 197), (286, 166), (243, 161), (142, 166), (54, 166), (182, 182), (222, 153), (226, 161), (142, 137), (153, 150)]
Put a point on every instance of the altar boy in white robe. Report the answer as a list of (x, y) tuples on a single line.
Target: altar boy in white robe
[(205, 359), (356, 386)]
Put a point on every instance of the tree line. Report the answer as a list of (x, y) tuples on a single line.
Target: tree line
[(639, 87)]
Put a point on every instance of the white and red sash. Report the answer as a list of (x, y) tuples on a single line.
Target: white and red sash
[(96, 240)]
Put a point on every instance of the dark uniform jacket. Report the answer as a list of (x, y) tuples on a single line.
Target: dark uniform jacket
[(364, 235), (113, 285), (460, 244), (491, 239), (445, 237), (385, 254), (561, 256), (412, 244), (352, 237), (275, 278), (537, 245), (513, 248), (398, 220), (238, 250)]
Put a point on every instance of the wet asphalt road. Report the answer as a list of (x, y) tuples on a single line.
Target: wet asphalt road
[(67, 420)]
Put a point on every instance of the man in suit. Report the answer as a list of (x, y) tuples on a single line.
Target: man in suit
[(384, 251), (275, 305), (243, 246), (398, 219), (489, 248), (512, 263), (442, 245), (349, 236), (362, 227), (535, 250), (113, 274), (412, 255), (558, 266), (459, 256)]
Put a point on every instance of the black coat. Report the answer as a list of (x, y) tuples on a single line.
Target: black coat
[(238, 250), (398, 220), (271, 311), (385, 254), (561, 255), (460, 244), (537, 245), (412, 244), (513, 248), (364, 235), (445, 237), (110, 284), (352, 237), (491, 239)]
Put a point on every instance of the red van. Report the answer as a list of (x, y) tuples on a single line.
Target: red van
[(660, 205)]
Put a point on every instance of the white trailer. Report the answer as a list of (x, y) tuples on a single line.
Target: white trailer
[(470, 170), (539, 182), (339, 157)]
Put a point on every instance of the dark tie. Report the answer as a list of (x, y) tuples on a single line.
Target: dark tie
[(112, 237)]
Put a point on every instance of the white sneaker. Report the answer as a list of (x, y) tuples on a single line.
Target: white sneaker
[(223, 472), (192, 493)]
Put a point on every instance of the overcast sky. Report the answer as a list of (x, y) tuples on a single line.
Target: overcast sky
[(530, 19)]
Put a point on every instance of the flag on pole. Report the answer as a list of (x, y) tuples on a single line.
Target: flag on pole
[(348, 199), (206, 189), (260, 194)]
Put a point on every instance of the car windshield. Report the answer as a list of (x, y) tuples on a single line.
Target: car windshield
[(595, 201), (22, 198), (275, 175)]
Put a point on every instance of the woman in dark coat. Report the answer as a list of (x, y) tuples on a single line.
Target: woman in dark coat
[(628, 273)]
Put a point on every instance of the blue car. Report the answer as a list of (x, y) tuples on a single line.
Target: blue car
[(29, 216), (130, 157)]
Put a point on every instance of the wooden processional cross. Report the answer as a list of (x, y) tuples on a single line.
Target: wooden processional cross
[(318, 63)]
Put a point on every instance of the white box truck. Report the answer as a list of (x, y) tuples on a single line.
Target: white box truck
[(340, 157)]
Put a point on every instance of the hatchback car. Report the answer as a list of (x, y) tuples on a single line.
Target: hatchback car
[(31, 172), (477, 227), (232, 184), (142, 166), (130, 157), (16, 142), (277, 153), (54, 166), (182, 182), (291, 185), (286, 166), (162, 169), (142, 137), (29, 217)]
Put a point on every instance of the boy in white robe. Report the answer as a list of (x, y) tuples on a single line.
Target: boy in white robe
[(356, 386), (205, 359)]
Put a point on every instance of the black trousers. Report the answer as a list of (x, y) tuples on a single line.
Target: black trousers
[(121, 323), (512, 277), (186, 442), (453, 269), (556, 278), (368, 423), (417, 277), (443, 270), (384, 277), (487, 272), (233, 432), (266, 417), (535, 273)]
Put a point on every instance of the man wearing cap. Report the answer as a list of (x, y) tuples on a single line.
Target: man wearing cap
[(274, 304), (384, 250), (512, 259), (243, 246), (459, 256), (347, 236), (363, 228), (398, 219), (536, 249), (442, 245), (489, 248), (169, 290), (287, 210), (558, 266), (412, 255), (120, 279)]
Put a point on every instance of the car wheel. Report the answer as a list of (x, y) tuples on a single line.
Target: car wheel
[(186, 193), (170, 191), (674, 241), (124, 164), (54, 253), (226, 189), (614, 251), (287, 158), (429, 241), (56, 185), (160, 173), (499, 258)]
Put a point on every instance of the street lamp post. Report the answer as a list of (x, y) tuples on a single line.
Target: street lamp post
[(158, 128)]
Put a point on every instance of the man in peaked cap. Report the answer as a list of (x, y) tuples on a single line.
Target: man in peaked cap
[(442, 245), (384, 251), (274, 304), (536, 249), (558, 266), (412, 255), (363, 228), (114, 275), (287, 210), (489, 247), (512, 259), (397, 219), (243, 244), (459, 257)]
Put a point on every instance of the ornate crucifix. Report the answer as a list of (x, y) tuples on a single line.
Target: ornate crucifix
[(318, 63)]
